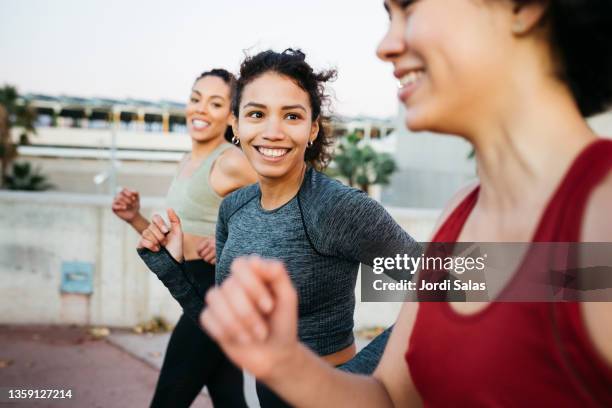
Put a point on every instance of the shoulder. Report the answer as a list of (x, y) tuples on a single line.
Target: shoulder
[(320, 188), (597, 223), (233, 163), (238, 198), (326, 201)]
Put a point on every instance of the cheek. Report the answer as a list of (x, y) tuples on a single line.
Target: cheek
[(221, 116), (189, 110), (246, 132), (300, 135)]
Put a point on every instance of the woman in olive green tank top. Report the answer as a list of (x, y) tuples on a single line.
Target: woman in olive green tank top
[(213, 169)]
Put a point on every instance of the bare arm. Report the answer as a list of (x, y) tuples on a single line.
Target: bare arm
[(231, 171), (389, 386), (139, 223), (253, 316)]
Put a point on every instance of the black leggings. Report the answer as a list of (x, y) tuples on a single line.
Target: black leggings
[(194, 360)]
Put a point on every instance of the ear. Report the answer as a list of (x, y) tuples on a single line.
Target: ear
[(233, 122), (230, 120), (314, 130), (527, 16)]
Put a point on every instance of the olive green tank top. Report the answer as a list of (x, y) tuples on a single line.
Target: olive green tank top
[(194, 200)]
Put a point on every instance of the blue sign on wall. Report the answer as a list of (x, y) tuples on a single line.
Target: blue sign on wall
[(77, 277)]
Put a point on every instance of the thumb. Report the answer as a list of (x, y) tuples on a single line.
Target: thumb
[(175, 221)]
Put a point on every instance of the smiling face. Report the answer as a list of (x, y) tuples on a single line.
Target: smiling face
[(274, 125), (451, 58), (208, 111)]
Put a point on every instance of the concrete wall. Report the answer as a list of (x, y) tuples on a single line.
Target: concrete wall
[(39, 231)]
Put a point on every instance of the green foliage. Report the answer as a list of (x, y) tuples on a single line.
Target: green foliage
[(24, 177), (14, 112), (362, 165), (20, 114)]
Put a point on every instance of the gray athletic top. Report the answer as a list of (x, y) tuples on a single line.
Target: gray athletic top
[(321, 235)]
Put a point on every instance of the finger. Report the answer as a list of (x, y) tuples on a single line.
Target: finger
[(275, 276), (175, 221), (151, 246), (204, 244), (153, 234), (231, 328), (207, 253), (207, 258), (131, 196), (245, 308), (213, 261), (255, 287), (118, 207), (126, 194), (124, 201), (160, 224)]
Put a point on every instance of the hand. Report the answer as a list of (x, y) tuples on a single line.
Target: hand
[(253, 316), (207, 250), (126, 205), (158, 234)]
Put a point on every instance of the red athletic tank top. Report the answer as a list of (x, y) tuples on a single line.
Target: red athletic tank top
[(516, 354)]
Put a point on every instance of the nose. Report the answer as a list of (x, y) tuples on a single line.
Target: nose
[(200, 107), (273, 130), (393, 43)]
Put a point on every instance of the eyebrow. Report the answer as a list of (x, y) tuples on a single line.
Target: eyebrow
[(297, 106), (262, 106), (211, 96)]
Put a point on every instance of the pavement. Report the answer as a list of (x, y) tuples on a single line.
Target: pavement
[(118, 370), (98, 372)]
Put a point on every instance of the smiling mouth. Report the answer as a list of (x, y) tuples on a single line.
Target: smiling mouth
[(198, 124), (411, 78), (272, 152)]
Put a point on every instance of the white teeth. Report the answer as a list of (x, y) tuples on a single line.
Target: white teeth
[(272, 152), (199, 124), (411, 77)]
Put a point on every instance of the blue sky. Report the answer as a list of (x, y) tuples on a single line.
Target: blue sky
[(154, 49)]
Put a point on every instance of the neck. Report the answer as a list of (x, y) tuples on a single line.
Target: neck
[(276, 192), (523, 154), (201, 150)]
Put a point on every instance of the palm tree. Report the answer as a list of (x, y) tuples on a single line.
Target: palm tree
[(13, 113), (27, 178), (363, 166)]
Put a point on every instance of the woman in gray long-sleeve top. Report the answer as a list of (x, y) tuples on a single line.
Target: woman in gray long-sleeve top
[(321, 229)]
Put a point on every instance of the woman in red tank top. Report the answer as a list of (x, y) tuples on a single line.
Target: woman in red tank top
[(515, 78)]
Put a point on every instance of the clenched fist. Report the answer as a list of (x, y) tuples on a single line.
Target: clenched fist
[(158, 235)]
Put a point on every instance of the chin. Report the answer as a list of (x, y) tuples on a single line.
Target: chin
[(265, 170), (415, 124), (420, 120), (199, 137)]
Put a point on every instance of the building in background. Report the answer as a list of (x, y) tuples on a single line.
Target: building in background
[(433, 167)]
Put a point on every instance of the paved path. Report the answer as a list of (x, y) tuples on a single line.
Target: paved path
[(118, 371), (98, 373)]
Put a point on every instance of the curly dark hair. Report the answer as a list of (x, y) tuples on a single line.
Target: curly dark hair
[(230, 80), (292, 64), (581, 34)]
